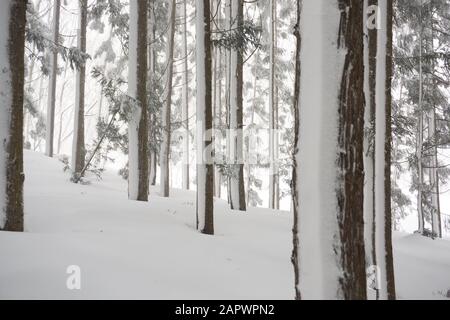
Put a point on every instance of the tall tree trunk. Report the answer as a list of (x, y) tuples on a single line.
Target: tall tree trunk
[(12, 47), (205, 167), (152, 58), (164, 157), (217, 96), (50, 126), (420, 214), (229, 26), (185, 102), (78, 147), (214, 97), (383, 218), (370, 52), (432, 134), (295, 182), (137, 89), (329, 175), (236, 115), (218, 119), (274, 188)]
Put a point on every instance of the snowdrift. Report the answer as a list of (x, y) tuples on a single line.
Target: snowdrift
[(133, 250)]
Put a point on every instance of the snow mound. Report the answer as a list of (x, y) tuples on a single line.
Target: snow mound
[(133, 250)]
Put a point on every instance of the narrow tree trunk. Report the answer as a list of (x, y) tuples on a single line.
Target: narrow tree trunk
[(236, 116), (274, 192), (50, 127), (295, 183), (434, 177), (185, 102), (433, 173), (214, 97), (78, 147), (218, 120), (205, 167), (137, 88), (420, 136), (229, 19), (12, 44), (370, 52), (330, 257), (383, 219), (164, 157), (152, 58)]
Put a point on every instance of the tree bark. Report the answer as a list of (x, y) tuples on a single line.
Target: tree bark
[(12, 47), (383, 217), (329, 175), (294, 183), (138, 176), (205, 166), (370, 52)]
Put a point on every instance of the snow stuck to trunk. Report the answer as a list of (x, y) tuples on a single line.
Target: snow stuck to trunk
[(135, 117), (201, 116), (319, 87), (5, 102), (380, 142)]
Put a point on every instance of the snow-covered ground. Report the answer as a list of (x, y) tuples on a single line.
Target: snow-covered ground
[(133, 250)]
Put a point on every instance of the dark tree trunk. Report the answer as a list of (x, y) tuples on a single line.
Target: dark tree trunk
[(350, 160), (387, 176), (294, 186), (205, 166), (13, 149), (369, 148)]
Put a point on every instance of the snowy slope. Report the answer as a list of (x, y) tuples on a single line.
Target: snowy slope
[(131, 250)]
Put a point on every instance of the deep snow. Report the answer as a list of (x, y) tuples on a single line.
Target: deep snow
[(133, 250)]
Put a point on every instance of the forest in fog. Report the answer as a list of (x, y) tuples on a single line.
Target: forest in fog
[(308, 136)]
